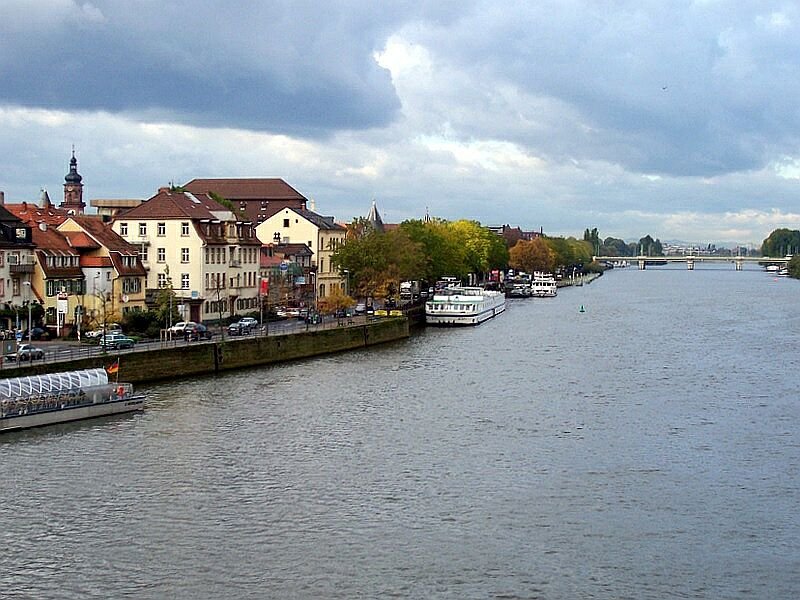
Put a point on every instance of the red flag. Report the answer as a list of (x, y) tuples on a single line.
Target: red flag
[(264, 286)]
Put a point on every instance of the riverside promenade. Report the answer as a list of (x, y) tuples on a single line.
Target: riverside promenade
[(170, 359)]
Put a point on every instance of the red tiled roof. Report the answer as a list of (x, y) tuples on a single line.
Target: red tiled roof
[(176, 205), (261, 198), (34, 214), (95, 261), (102, 234), (78, 239), (271, 188)]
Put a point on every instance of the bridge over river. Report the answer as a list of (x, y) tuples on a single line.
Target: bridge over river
[(691, 259)]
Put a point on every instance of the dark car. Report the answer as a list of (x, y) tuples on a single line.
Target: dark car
[(36, 334), (197, 331), (390, 303), (239, 328)]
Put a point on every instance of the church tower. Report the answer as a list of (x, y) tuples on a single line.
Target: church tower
[(73, 188)]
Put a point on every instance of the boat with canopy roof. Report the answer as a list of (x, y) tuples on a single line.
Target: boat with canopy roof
[(51, 398)]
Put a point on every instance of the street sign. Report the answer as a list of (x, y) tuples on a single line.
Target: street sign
[(284, 266), (19, 336)]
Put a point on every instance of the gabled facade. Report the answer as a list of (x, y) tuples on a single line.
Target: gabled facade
[(200, 249), (322, 236), (114, 274)]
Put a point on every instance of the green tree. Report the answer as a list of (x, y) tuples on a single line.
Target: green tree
[(794, 266), (781, 242), (650, 247)]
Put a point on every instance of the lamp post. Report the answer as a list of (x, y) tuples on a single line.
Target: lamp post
[(346, 274)]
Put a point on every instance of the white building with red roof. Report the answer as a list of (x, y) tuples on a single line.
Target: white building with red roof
[(207, 254)]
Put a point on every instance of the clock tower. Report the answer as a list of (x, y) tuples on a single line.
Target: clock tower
[(73, 188)]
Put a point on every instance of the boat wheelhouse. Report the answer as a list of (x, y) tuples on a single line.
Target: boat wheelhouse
[(50, 398), (458, 305)]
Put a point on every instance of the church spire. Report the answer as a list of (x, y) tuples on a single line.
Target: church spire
[(73, 187), (374, 218)]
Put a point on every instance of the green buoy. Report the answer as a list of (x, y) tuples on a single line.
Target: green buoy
[(582, 309)]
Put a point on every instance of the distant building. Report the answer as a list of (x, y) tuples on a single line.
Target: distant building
[(110, 208), (514, 234)]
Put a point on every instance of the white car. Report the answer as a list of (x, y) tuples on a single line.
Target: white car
[(180, 327), (249, 322)]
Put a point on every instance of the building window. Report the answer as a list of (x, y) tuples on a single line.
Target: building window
[(184, 255), (123, 229), (142, 229), (184, 228), (161, 255), (184, 281), (162, 229), (286, 222), (142, 253), (162, 280)]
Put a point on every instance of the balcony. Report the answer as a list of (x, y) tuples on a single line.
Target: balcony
[(17, 264)]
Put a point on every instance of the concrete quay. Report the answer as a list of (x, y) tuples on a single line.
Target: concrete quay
[(193, 359)]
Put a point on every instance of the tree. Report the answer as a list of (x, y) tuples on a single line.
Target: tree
[(334, 301), (794, 266), (650, 247), (531, 256), (781, 242)]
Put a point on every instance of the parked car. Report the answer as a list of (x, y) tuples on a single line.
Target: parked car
[(239, 328), (116, 341), (26, 352), (178, 328), (37, 333), (361, 308), (98, 333), (197, 331), (251, 322)]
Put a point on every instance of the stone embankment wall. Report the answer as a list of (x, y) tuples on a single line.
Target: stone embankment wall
[(235, 353)]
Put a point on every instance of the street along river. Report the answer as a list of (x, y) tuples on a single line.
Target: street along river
[(645, 448)]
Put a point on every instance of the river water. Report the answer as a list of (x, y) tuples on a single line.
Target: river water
[(647, 447)]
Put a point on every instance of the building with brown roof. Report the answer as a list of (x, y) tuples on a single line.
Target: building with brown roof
[(254, 199), (199, 248)]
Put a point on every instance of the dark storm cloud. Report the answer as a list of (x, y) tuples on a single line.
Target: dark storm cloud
[(293, 67)]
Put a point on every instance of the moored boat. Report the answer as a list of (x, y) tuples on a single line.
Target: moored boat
[(457, 305), (38, 400), (544, 285)]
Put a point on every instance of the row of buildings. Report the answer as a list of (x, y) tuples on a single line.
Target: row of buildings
[(222, 245)]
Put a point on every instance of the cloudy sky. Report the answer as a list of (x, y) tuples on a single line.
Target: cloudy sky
[(680, 119)]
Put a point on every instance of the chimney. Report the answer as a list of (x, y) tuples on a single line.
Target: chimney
[(163, 190), (2, 198)]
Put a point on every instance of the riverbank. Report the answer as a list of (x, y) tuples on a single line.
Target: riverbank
[(234, 353)]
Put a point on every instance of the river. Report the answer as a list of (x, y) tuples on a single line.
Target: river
[(647, 447)]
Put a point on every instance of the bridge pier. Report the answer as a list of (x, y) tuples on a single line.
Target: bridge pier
[(642, 264), (690, 263), (739, 264)]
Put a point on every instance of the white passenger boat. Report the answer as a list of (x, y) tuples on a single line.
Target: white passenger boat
[(457, 305), (60, 397), (544, 285)]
